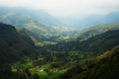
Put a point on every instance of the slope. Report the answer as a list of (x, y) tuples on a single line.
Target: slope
[(14, 45), (102, 67), (41, 26), (88, 44), (89, 38)]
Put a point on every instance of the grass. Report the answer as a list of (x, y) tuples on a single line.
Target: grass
[(55, 74), (46, 66), (42, 75), (14, 70), (45, 43), (27, 64)]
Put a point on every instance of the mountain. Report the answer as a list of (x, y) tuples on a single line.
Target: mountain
[(22, 19), (53, 60), (36, 45), (91, 20), (14, 45), (96, 30), (37, 15), (93, 34), (91, 42), (42, 27), (104, 66)]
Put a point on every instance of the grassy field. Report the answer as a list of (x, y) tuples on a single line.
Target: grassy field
[(19, 65), (40, 71), (54, 74), (44, 74)]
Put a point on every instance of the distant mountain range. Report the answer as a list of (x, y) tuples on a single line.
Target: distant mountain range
[(91, 20), (37, 15), (39, 24)]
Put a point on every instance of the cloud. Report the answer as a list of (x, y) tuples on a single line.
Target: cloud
[(66, 7)]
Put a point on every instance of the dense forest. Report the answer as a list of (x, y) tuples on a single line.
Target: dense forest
[(36, 45)]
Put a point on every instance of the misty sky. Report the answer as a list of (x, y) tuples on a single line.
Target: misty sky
[(66, 7)]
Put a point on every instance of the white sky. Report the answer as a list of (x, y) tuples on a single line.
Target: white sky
[(66, 7)]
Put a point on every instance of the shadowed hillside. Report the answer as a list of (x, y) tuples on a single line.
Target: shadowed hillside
[(14, 45)]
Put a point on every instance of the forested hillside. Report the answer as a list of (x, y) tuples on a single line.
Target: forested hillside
[(95, 30), (104, 66), (14, 45), (89, 40)]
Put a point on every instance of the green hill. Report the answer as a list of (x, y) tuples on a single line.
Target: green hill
[(96, 30), (104, 66), (14, 45)]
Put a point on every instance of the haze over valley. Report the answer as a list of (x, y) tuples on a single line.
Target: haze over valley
[(59, 39)]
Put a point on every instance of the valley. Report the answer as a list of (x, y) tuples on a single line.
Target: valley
[(36, 45)]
